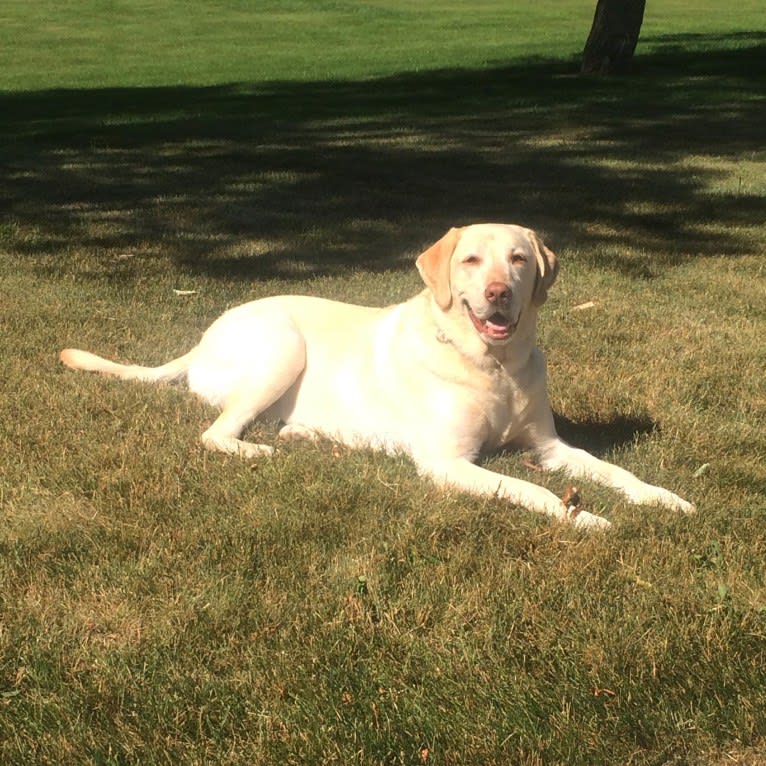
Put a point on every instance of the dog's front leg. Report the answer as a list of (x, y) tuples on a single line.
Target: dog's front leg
[(460, 473), (558, 455)]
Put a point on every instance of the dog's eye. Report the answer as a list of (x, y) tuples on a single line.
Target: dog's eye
[(472, 260), (518, 258)]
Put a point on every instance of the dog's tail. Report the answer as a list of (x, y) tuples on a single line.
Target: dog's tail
[(84, 360)]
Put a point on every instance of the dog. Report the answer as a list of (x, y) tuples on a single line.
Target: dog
[(448, 374)]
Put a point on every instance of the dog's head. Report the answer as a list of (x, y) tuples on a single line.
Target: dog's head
[(491, 273)]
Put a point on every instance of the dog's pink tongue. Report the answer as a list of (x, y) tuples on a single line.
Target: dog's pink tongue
[(496, 331)]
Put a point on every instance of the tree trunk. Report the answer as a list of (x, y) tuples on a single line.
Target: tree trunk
[(613, 36)]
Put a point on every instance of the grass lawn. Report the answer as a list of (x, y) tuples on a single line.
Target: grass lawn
[(160, 162)]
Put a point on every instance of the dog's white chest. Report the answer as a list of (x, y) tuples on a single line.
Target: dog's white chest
[(510, 401)]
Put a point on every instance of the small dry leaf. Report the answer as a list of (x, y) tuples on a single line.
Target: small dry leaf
[(597, 692), (21, 674), (572, 501), (571, 497)]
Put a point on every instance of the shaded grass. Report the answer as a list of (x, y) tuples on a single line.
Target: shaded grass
[(281, 181), (163, 605)]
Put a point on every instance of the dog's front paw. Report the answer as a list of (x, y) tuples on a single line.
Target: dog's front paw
[(684, 506), (591, 522), (575, 513), (646, 494), (668, 499)]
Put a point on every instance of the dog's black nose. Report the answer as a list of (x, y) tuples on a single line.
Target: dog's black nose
[(496, 292)]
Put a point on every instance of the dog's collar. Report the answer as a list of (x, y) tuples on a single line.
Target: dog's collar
[(442, 337)]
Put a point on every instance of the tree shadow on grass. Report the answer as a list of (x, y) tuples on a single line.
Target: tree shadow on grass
[(292, 180)]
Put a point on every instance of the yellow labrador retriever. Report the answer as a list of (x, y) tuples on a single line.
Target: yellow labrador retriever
[(449, 373)]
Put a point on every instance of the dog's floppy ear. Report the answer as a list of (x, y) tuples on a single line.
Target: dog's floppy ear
[(547, 268), (434, 267)]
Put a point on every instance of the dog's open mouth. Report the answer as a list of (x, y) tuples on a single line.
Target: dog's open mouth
[(496, 327)]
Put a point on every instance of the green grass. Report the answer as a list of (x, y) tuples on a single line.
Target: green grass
[(161, 605), (140, 43)]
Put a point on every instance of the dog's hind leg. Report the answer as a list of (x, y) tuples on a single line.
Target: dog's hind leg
[(261, 383), (223, 434), (297, 432)]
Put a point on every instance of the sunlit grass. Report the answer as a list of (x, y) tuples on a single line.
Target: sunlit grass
[(142, 43)]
